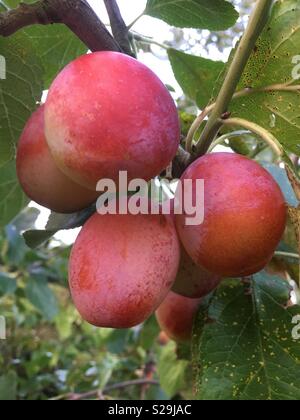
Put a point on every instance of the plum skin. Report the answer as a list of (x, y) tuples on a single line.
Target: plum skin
[(122, 267), (176, 316), (107, 112), (39, 176), (193, 281), (245, 216)]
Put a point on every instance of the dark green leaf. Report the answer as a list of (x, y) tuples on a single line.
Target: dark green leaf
[(19, 91), (16, 245), (203, 14), (35, 238), (196, 75), (172, 372), (8, 387), (8, 284), (41, 296), (12, 198), (247, 351), (56, 46)]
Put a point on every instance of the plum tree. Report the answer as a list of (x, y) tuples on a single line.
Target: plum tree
[(122, 267), (39, 176), (192, 280), (245, 216), (176, 315), (107, 112)]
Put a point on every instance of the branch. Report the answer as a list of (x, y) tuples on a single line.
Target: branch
[(109, 388), (118, 26), (256, 24), (197, 148), (260, 131), (77, 15)]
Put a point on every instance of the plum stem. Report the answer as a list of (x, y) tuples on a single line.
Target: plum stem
[(287, 255), (136, 20), (228, 136), (260, 131)]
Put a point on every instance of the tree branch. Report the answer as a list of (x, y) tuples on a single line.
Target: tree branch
[(114, 387), (118, 26), (77, 15)]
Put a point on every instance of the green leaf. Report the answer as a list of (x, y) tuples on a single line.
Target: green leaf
[(8, 284), (36, 238), (56, 46), (41, 296), (14, 3), (172, 372), (8, 387), (196, 75), (57, 222), (26, 219), (247, 351), (214, 15), (12, 198), (16, 245), (64, 322), (271, 63), (69, 221), (108, 364), (19, 91), (149, 333)]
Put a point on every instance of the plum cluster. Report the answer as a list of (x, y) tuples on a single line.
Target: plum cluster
[(106, 113)]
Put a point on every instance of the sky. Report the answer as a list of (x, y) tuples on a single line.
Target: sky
[(158, 62)]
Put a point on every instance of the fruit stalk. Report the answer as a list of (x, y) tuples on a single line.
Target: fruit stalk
[(260, 131)]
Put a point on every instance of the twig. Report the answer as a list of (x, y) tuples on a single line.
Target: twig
[(256, 24), (109, 388), (195, 126), (4, 5), (136, 20), (227, 136), (77, 15), (239, 94), (118, 26), (260, 131), (148, 40), (287, 255)]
